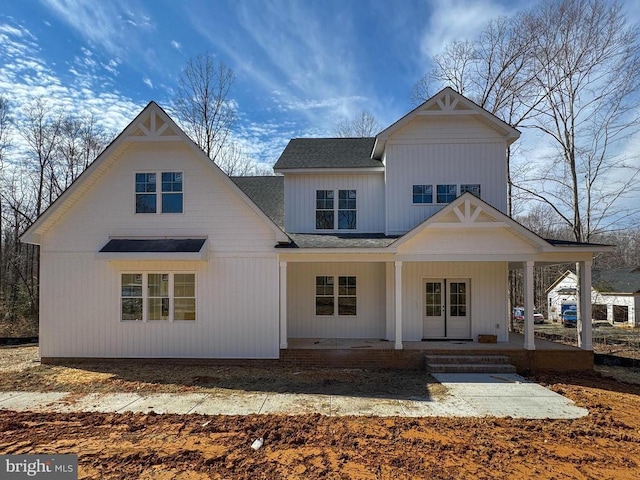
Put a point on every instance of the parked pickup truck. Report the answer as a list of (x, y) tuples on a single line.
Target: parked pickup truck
[(569, 316)]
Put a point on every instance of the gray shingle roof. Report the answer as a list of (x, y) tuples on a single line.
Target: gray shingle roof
[(328, 153), (342, 240), (622, 280), (267, 193)]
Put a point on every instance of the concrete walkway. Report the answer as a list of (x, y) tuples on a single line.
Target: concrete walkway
[(469, 395)]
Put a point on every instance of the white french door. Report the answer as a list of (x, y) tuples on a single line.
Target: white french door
[(446, 309)]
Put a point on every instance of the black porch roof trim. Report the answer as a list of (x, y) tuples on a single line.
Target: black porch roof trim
[(571, 243), (162, 245)]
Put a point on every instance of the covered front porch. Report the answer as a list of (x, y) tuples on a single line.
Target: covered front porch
[(376, 353), (444, 281)]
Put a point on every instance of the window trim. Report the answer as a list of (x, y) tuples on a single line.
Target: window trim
[(336, 209), (145, 295), (336, 296), (434, 192), (413, 202), (158, 192), (332, 209)]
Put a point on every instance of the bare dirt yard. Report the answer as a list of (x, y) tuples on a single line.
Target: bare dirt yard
[(603, 445)]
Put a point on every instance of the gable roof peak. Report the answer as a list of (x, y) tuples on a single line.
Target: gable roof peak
[(447, 102)]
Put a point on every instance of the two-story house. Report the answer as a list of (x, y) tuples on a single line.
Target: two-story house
[(155, 252)]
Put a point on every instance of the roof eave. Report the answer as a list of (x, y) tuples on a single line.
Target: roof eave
[(330, 170)]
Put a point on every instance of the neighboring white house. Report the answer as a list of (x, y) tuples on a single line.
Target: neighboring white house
[(615, 295), (154, 252)]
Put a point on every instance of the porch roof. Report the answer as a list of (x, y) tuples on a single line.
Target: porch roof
[(342, 240)]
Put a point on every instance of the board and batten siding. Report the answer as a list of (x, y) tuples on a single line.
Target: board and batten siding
[(370, 321), (441, 151), (210, 208), (237, 283), (488, 287), (80, 310), (300, 200)]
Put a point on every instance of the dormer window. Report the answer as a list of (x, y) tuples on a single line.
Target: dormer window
[(326, 210), (171, 198)]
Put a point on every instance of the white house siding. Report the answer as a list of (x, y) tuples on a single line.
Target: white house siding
[(300, 200), (211, 208), (302, 321), (438, 152), (80, 310), (237, 292), (488, 286)]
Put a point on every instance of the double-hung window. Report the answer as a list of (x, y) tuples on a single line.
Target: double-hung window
[(324, 210), (422, 194), (346, 209), (446, 193), (158, 296), (332, 296), (169, 184), (326, 216)]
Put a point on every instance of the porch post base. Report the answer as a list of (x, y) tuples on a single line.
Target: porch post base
[(398, 346)]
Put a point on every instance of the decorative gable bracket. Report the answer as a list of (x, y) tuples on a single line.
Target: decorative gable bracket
[(153, 128)]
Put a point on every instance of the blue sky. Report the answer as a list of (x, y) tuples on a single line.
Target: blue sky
[(302, 66)]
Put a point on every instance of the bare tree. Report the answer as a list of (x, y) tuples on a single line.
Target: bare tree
[(588, 63), (81, 141), (362, 125), (235, 162), (5, 122), (202, 104), (41, 131), (569, 69), (495, 70)]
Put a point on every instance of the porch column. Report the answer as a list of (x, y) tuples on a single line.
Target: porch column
[(585, 337), (398, 289), (283, 305), (529, 337)]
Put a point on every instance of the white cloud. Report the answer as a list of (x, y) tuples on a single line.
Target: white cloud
[(27, 75), (286, 50), (147, 82), (112, 25), (177, 45), (459, 20)]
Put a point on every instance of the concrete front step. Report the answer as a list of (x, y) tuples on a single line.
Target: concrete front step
[(468, 364), (470, 368), (491, 359)]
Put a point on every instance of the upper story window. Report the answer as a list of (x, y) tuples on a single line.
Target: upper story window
[(473, 188), (326, 210), (446, 193), (423, 194), (346, 209), (147, 198)]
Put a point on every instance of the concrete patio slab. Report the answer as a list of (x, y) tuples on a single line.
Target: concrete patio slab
[(35, 401), (7, 395), (508, 395), (366, 406), (296, 403), (100, 402), (246, 403), (499, 395), (451, 406), (166, 403)]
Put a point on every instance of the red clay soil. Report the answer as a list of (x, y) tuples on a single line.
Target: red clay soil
[(604, 445)]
